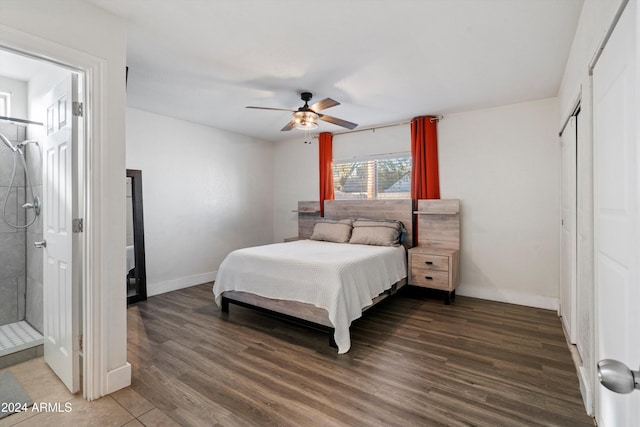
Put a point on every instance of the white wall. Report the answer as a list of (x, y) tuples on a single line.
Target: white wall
[(77, 26), (39, 85), (18, 91), (595, 19), (295, 177), (503, 163), (205, 191), (391, 140)]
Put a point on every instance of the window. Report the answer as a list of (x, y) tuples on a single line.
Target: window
[(386, 177), (5, 103)]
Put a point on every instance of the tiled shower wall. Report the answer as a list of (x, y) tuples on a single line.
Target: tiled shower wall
[(12, 241), (20, 261)]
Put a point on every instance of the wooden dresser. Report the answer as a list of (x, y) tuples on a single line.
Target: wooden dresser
[(434, 263)]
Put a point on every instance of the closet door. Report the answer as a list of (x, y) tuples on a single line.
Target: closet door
[(568, 262)]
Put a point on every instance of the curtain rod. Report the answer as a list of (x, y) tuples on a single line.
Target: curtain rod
[(374, 128), (13, 119)]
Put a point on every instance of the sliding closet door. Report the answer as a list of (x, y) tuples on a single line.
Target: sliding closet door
[(568, 246)]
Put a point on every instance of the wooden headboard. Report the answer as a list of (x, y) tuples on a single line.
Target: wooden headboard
[(401, 210), (438, 223)]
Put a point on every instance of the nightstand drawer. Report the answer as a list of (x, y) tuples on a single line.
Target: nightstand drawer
[(429, 278), (430, 262)]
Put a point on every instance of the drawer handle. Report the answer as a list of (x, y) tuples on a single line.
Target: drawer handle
[(429, 262), (428, 277)]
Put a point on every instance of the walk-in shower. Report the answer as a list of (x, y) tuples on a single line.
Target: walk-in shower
[(21, 308)]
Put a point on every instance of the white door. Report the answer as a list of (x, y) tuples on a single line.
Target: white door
[(568, 250), (61, 316), (616, 221)]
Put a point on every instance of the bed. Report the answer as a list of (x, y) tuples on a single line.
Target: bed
[(323, 284)]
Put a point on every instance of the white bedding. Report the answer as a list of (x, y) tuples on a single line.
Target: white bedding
[(342, 278)]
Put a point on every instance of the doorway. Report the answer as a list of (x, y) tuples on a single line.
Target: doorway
[(32, 111), (101, 61)]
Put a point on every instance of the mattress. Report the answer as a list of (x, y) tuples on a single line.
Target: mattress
[(341, 278)]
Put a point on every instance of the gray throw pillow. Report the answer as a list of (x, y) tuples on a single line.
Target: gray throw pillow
[(332, 231)]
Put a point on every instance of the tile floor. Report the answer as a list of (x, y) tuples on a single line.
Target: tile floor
[(123, 408)]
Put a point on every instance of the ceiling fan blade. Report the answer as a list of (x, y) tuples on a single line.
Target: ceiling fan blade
[(324, 104), (267, 108), (289, 125), (336, 121)]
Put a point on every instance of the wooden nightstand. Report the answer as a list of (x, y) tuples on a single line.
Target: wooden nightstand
[(434, 268), (434, 262)]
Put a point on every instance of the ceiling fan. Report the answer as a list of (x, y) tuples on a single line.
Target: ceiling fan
[(306, 118)]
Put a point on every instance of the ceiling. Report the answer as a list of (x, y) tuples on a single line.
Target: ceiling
[(18, 67), (385, 61)]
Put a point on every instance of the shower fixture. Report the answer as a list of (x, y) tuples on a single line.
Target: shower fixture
[(35, 200), (19, 146), (7, 143)]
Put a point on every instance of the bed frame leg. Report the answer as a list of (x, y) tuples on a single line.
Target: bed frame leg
[(224, 307), (332, 341)]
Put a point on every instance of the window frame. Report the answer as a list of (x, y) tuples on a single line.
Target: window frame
[(5, 103), (403, 155)]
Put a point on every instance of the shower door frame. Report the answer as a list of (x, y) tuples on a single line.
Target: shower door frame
[(98, 378)]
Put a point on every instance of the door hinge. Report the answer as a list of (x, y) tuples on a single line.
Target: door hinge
[(77, 108), (77, 225), (80, 342)]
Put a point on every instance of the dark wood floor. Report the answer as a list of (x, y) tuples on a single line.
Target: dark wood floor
[(413, 361)]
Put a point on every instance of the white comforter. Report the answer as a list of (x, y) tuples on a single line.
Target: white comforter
[(339, 277)]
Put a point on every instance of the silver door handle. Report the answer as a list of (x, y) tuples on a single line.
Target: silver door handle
[(617, 377), (40, 244)]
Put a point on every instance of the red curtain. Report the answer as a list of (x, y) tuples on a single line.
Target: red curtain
[(325, 146), (425, 183)]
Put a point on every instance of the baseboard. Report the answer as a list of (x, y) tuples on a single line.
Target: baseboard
[(119, 378), (181, 283), (584, 377), (510, 297), (585, 390)]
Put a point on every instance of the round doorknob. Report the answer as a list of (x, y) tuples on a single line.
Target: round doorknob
[(617, 377)]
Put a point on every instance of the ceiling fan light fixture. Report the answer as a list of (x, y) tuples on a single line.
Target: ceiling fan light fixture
[(305, 120)]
